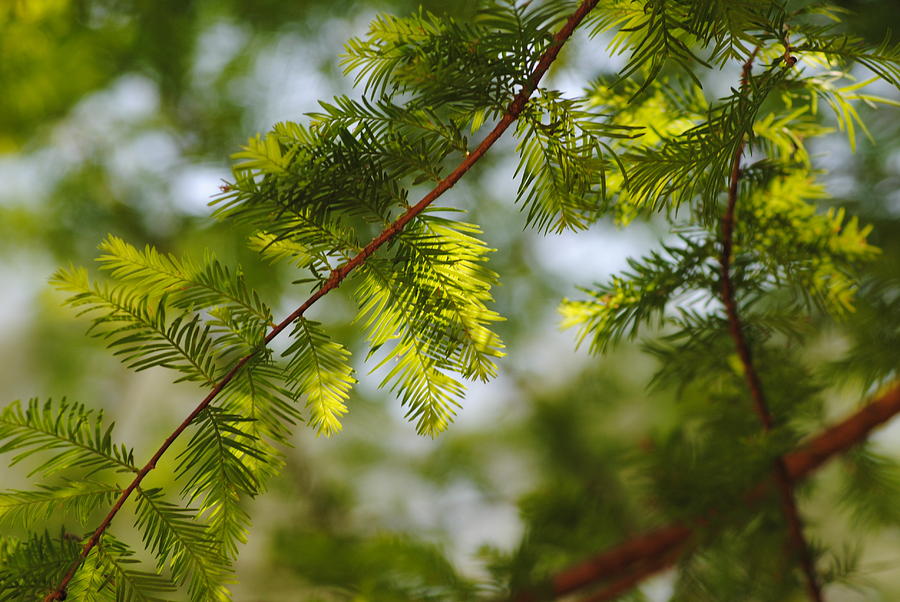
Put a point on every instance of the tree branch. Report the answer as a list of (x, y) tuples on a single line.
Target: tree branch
[(647, 566), (754, 384), (656, 550), (339, 274)]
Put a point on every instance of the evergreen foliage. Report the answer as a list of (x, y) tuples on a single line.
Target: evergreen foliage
[(647, 143)]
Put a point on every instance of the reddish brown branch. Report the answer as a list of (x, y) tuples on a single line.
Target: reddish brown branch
[(645, 568), (760, 406), (338, 275), (844, 435), (653, 551)]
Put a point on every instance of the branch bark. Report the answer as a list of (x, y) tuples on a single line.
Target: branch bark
[(339, 274), (782, 479), (651, 552)]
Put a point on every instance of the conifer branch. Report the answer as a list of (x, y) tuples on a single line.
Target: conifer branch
[(337, 276), (754, 384), (651, 552)]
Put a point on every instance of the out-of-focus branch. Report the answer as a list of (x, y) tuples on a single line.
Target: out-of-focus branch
[(634, 560), (798, 544)]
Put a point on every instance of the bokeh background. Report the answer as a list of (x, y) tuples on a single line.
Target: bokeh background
[(119, 116)]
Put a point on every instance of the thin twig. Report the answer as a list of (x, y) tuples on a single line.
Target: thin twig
[(642, 556), (338, 275), (754, 384)]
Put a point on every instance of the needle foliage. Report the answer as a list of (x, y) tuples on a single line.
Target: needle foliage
[(648, 143)]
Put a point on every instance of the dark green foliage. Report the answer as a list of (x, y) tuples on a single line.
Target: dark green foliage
[(381, 567), (641, 296), (564, 153), (121, 580), (31, 567), (217, 468), (181, 544), (79, 435), (141, 332), (865, 471), (875, 331), (880, 60), (728, 567), (76, 499)]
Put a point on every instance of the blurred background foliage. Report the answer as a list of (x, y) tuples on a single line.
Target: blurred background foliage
[(118, 116)]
